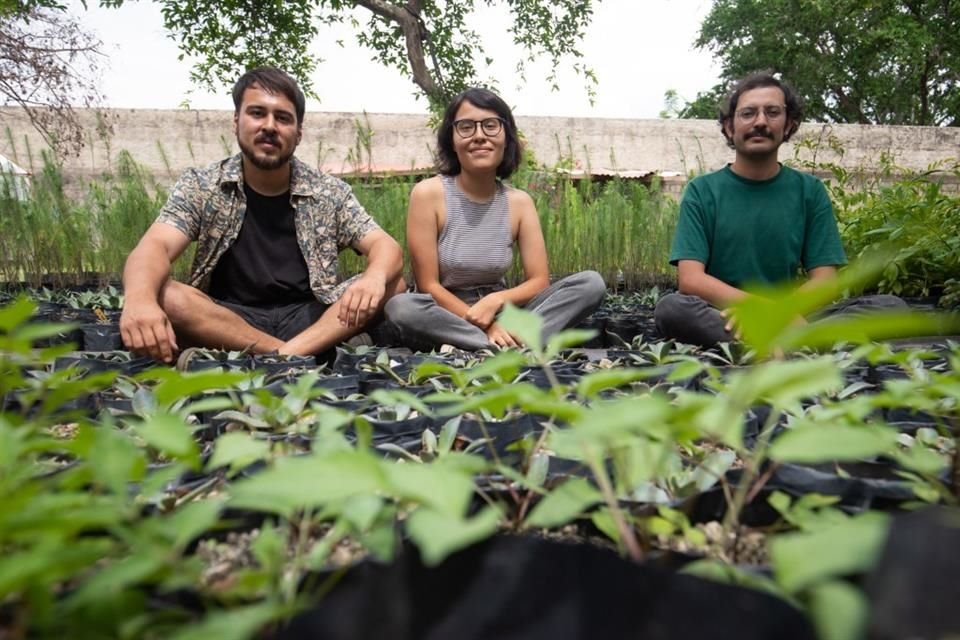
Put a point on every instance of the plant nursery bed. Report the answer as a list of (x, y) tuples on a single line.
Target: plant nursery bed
[(257, 485)]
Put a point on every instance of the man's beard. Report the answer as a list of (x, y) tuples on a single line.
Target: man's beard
[(266, 163)]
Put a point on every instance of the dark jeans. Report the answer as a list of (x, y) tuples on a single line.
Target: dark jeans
[(693, 320), (282, 322)]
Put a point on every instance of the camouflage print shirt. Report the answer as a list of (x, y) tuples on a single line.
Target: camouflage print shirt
[(208, 206)]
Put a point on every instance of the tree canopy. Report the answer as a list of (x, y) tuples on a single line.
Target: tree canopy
[(430, 41), (854, 61)]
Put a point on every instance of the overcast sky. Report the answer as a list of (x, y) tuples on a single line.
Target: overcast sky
[(638, 48)]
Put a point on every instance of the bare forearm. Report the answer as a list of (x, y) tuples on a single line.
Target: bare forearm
[(385, 261), (524, 292), (713, 290), (145, 271), (446, 299)]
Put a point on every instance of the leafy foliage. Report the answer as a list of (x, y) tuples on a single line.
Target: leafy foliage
[(913, 219), (98, 528), (428, 40), (856, 61)]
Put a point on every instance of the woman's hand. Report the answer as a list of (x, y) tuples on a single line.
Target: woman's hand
[(484, 311), (500, 337)]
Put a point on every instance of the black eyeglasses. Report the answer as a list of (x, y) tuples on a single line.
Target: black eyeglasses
[(772, 112), (466, 127)]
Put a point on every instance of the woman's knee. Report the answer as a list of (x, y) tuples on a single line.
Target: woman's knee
[(402, 309), (593, 286)]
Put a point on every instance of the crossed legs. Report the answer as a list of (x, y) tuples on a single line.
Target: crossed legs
[(199, 320)]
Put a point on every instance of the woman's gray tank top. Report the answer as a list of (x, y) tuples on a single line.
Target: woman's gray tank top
[(475, 247)]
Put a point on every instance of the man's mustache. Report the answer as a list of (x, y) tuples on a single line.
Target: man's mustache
[(760, 132)]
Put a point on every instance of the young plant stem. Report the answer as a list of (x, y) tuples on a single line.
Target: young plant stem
[(536, 447), (627, 534), (291, 579), (496, 459), (205, 487), (751, 468)]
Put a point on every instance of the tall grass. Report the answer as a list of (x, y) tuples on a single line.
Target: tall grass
[(55, 238), (620, 228), (64, 237)]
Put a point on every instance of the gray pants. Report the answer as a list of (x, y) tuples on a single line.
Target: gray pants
[(693, 320), (423, 324)]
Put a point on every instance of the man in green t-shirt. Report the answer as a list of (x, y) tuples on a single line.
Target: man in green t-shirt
[(754, 222)]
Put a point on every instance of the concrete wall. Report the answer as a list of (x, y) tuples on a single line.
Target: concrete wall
[(167, 142)]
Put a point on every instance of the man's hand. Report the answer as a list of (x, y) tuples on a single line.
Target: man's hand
[(484, 310), (146, 330), (731, 326), (500, 337), (361, 300)]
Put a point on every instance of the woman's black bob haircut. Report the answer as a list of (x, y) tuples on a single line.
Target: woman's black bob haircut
[(447, 161)]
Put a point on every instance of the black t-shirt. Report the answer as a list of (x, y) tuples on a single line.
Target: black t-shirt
[(264, 267)]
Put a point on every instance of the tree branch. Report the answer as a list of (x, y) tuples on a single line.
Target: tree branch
[(408, 17)]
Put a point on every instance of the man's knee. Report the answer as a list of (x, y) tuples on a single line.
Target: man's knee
[(668, 311)]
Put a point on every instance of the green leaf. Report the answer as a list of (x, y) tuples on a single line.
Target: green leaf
[(839, 610), (920, 459), (603, 520), (564, 503), (237, 450), (269, 549), (503, 366), (437, 534), (176, 385), (811, 442), (239, 623), (361, 511), (168, 433), (729, 574), (190, 521), (709, 472), (309, 481), (612, 424), (448, 434), (862, 328), (782, 383), (596, 381), (526, 325), (801, 560), (445, 489), (566, 339), (114, 459), (13, 315), (30, 333), (394, 397), (537, 472), (117, 575)]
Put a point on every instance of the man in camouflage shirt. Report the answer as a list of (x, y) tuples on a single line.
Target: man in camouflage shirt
[(268, 231)]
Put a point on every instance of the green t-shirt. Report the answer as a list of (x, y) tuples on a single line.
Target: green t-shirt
[(757, 231)]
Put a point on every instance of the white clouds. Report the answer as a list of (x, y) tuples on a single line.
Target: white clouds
[(638, 49)]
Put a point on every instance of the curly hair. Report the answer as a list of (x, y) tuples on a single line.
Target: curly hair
[(272, 80), (761, 80), (447, 161)]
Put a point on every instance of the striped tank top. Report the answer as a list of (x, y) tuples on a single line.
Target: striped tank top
[(475, 248)]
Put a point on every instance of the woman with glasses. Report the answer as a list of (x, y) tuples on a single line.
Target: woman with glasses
[(462, 227)]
